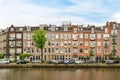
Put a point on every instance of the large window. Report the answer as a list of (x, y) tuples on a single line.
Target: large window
[(75, 43), (81, 51), (18, 43), (86, 50), (75, 36), (98, 43), (81, 35), (19, 50), (12, 43), (61, 36), (57, 36), (86, 35), (92, 43), (98, 36), (12, 36), (114, 32), (12, 50), (18, 36), (69, 36), (86, 43), (98, 50), (65, 36), (92, 36)]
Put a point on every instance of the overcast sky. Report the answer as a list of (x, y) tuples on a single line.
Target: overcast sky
[(35, 12)]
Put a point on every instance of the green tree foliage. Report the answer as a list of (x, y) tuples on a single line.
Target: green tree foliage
[(1, 56), (39, 40), (24, 55), (91, 52)]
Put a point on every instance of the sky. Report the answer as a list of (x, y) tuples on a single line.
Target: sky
[(35, 12)]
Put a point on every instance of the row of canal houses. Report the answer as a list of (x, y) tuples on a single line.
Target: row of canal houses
[(64, 42)]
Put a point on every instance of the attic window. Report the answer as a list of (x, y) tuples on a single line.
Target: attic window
[(12, 29)]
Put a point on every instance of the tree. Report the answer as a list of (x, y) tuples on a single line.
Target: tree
[(91, 55), (91, 52), (1, 56), (39, 40), (24, 55)]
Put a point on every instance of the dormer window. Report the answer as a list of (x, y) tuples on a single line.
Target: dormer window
[(12, 29), (20, 29)]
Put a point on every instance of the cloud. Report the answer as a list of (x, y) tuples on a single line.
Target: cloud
[(35, 12), (115, 16)]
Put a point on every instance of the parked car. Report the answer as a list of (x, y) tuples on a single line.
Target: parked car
[(109, 61), (79, 61), (4, 61), (21, 62), (60, 61), (36, 61), (69, 62)]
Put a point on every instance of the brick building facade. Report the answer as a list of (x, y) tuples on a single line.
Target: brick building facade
[(63, 42)]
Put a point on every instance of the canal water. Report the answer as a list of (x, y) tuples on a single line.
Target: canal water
[(59, 74)]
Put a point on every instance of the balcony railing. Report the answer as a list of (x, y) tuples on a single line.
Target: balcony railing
[(114, 34), (106, 38), (92, 38), (92, 46)]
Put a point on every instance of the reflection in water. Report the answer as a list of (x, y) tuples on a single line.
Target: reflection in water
[(59, 74)]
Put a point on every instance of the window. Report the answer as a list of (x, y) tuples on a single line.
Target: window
[(81, 51), (86, 50), (28, 44), (19, 50), (98, 43), (98, 36), (75, 30), (92, 30), (92, 43), (114, 32), (106, 35), (18, 43), (69, 50), (52, 50), (69, 43), (28, 36), (12, 36), (75, 43), (86, 35), (81, 35), (75, 51), (106, 30), (61, 36), (52, 43), (92, 36), (65, 43), (98, 50), (49, 50), (12, 29), (61, 43), (86, 43), (57, 36), (12, 43), (65, 36), (56, 50), (69, 36), (18, 36), (81, 43), (24, 36), (57, 43), (75, 36), (20, 29), (12, 50)]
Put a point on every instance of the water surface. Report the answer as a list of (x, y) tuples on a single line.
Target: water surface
[(59, 74)]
